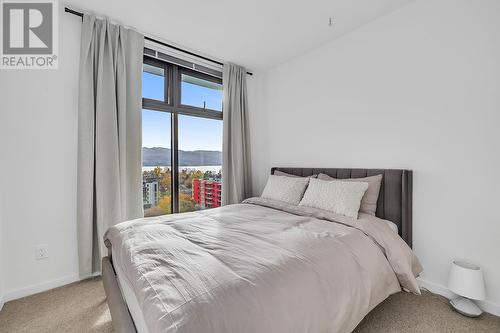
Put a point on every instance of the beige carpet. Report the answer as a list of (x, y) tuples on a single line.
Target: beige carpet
[(81, 307), (77, 307), (428, 313)]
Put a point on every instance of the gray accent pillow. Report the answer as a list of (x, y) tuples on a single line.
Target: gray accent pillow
[(369, 200), (281, 173)]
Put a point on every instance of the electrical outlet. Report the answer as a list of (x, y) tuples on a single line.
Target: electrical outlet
[(42, 252)]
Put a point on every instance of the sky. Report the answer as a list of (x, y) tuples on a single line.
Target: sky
[(194, 133)]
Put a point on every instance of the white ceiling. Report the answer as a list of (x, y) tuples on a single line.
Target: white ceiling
[(258, 34)]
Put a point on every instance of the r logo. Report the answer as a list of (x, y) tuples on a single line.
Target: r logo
[(27, 27)]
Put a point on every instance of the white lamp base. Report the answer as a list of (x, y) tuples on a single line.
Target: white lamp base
[(466, 307)]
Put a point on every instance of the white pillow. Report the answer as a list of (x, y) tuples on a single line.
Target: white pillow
[(335, 195), (369, 201), (287, 189)]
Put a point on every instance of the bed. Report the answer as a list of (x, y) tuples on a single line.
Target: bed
[(262, 266)]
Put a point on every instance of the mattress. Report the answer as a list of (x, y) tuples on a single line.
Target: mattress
[(130, 298), (261, 266)]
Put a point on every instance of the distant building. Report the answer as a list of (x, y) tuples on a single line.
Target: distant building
[(207, 193), (150, 194)]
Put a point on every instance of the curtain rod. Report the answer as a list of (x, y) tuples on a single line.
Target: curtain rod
[(74, 12)]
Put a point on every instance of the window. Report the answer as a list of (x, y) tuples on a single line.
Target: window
[(153, 82), (200, 156), (202, 93), (156, 163), (182, 139)]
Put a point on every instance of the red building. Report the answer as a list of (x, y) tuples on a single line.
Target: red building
[(207, 193)]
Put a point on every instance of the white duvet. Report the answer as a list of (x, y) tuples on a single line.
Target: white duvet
[(261, 266)]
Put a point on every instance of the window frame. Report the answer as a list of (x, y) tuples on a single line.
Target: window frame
[(172, 104), (199, 75)]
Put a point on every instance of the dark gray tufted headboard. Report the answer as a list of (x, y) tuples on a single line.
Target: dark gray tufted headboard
[(395, 198)]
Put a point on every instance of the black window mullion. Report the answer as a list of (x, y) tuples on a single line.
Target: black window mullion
[(175, 139), (152, 104), (176, 92), (166, 85), (173, 157), (175, 163)]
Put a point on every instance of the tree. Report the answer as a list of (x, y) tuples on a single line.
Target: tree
[(186, 203), (166, 181), (157, 172), (165, 204)]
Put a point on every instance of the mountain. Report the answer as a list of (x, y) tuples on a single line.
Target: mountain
[(158, 156)]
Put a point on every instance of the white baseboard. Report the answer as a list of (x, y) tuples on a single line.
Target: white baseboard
[(436, 288), (38, 288)]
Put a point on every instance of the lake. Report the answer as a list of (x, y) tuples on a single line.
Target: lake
[(213, 168)]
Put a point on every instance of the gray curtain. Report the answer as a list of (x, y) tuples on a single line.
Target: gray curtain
[(109, 188), (236, 172)]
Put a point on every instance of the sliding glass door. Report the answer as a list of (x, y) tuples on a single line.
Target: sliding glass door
[(182, 139)]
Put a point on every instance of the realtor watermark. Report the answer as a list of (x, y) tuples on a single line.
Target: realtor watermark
[(29, 34)]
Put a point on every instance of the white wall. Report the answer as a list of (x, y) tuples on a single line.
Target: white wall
[(1, 257), (38, 120), (258, 129), (417, 89)]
